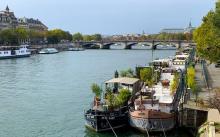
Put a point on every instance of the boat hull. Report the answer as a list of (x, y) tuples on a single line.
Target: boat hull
[(15, 56), (48, 53), (101, 121), (152, 124)]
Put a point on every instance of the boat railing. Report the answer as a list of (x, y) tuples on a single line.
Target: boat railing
[(97, 112)]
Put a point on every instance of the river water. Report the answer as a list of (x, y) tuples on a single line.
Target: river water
[(46, 95)]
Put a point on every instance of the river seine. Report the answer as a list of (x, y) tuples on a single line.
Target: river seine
[(46, 95)]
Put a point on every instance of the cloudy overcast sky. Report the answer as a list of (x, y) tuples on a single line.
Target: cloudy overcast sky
[(112, 16)]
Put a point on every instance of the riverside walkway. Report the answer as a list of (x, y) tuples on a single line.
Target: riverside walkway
[(214, 76), (208, 79)]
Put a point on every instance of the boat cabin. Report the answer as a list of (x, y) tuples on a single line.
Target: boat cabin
[(161, 63), (8, 51), (132, 84)]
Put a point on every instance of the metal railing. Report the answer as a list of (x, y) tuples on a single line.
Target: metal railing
[(205, 73)]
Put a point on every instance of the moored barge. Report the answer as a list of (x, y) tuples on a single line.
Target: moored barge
[(155, 107), (103, 115)]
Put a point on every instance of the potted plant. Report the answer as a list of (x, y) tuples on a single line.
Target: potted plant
[(97, 90)]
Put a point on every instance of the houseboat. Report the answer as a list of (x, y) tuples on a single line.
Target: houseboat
[(154, 107), (8, 52), (48, 51), (181, 61), (104, 115)]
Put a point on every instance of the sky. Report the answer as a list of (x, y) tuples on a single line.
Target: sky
[(112, 16)]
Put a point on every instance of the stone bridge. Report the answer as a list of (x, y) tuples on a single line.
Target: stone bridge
[(129, 44)]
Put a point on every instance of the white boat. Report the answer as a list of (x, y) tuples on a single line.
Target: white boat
[(48, 51), (166, 47), (75, 49), (118, 46), (181, 62), (141, 46), (7, 52)]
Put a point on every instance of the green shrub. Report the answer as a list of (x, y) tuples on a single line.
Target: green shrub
[(123, 96), (146, 74), (175, 83), (127, 73)]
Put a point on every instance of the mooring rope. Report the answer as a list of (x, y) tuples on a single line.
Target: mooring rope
[(162, 128), (146, 130), (111, 127)]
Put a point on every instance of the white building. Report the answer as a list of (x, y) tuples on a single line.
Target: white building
[(188, 29)]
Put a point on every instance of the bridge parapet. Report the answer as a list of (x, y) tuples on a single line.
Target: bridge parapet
[(129, 43)]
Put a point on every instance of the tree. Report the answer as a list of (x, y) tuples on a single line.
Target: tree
[(77, 37), (146, 74), (9, 37), (207, 36), (127, 73), (15, 36), (96, 89), (97, 37), (21, 33), (57, 35), (87, 37), (123, 96), (36, 36)]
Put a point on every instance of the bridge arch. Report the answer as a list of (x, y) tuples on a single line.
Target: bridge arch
[(91, 46), (130, 44)]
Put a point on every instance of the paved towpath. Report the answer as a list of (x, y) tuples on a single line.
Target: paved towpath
[(207, 86)]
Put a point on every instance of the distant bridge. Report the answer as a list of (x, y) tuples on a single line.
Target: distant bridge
[(129, 44)]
